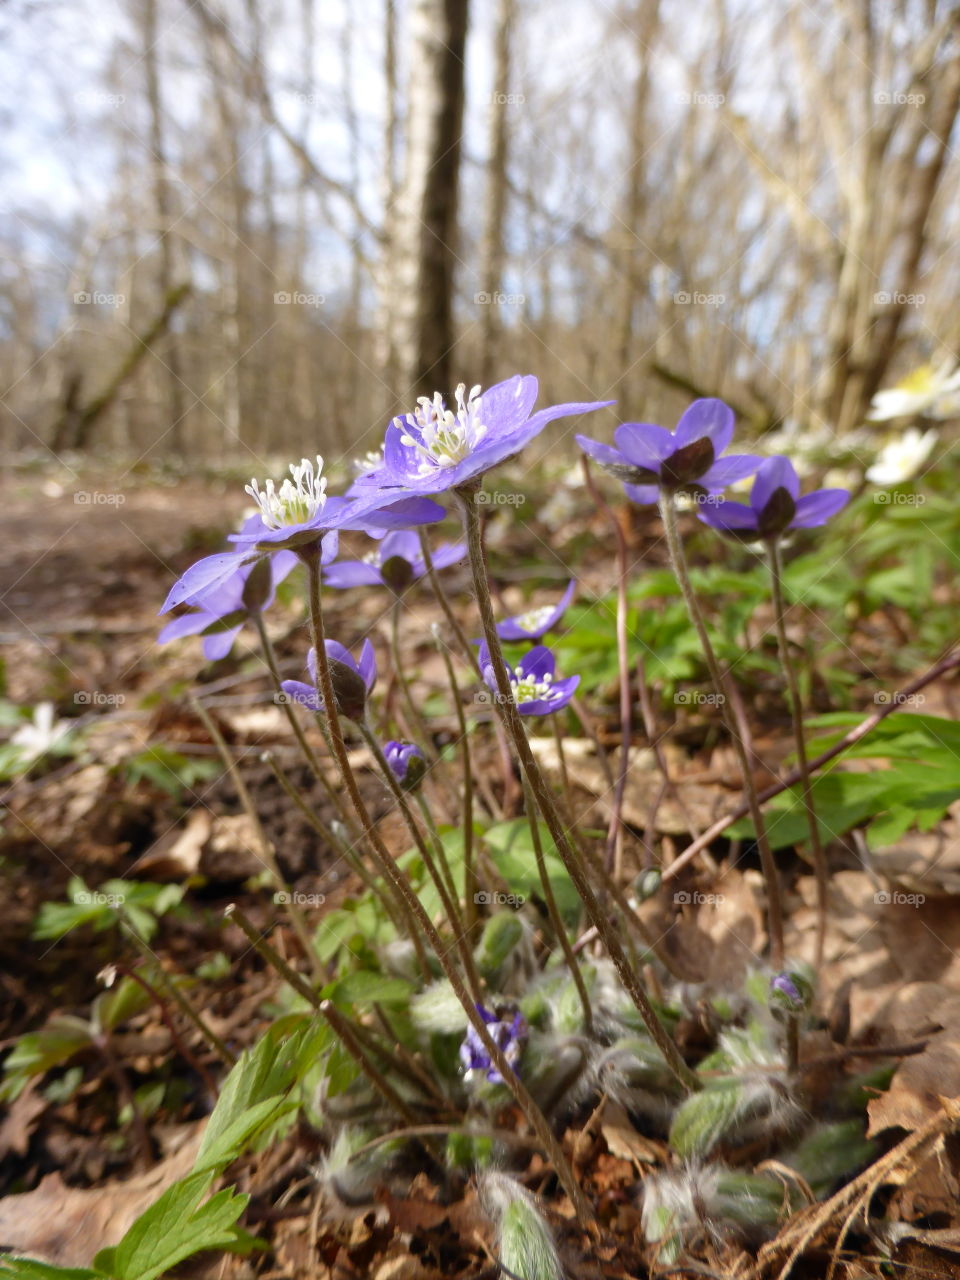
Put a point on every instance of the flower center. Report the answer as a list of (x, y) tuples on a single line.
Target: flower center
[(530, 689), (297, 500), (440, 437), (535, 619)]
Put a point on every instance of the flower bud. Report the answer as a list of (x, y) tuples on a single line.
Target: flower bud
[(407, 763), (648, 883), (349, 690), (397, 572), (525, 1245), (791, 993), (501, 935)]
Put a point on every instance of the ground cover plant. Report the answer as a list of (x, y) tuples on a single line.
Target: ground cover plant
[(564, 1007)]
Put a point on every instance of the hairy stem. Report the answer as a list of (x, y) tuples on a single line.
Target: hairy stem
[(723, 685)]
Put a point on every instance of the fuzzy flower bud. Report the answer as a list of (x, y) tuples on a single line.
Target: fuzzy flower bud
[(526, 1246), (407, 763)]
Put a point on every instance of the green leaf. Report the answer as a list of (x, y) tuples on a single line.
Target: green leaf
[(31, 1269), (366, 987), (174, 1228)]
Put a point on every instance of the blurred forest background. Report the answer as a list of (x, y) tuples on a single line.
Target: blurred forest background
[(238, 228)]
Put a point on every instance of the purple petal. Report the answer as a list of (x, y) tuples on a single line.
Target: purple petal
[(336, 652), (329, 546), (219, 644), (563, 691), (736, 466), (772, 474), (367, 666), (605, 454), (395, 513), (644, 444), (728, 515), (352, 573), (400, 542), (304, 694), (202, 578), (644, 494), (446, 554), (188, 625), (539, 662), (507, 405), (816, 508), (706, 419)]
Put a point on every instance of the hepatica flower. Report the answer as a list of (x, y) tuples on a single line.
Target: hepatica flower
[(775, 505), (407, 763), (508, 1033), (437, 447), (352, 678), (651, 459), (536, 692), (299, 512), (224, 603), (396, 562), (535, 623)]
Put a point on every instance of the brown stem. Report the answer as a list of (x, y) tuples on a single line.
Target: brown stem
[(796, 714), (722, 684), (391, 872), (541, 791)]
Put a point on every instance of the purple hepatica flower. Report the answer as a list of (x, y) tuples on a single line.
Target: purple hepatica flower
[(222, 611), (508, 1034), (536, 622), (532, 681), (299, 512), (217, 585), (435, 448), (407, 763), (775, 505), (651, 459), (396, 563), (353, 680)]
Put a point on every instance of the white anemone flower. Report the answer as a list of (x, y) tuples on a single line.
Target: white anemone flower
[(931, 391), (901, 459), (39, 735)]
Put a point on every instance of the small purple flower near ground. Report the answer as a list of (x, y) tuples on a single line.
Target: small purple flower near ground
[(353, 680), (407, 763), (396, 562), (436, 448), (775, 505), (536, 692), (508, 1033), (651, 459), (535, 623)]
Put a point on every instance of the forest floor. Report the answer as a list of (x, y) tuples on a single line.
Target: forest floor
[(84, 566)]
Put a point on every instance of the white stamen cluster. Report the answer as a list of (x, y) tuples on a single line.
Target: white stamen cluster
[(297, 501), (372, 460), (441, 437), (530, 689), (535, 619)]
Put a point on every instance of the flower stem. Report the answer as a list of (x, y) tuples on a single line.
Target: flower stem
[(556, 920), (541, 791), (796, 713), (469, 875), (446, 890), (265, 847), (392, 872), (721, 682), (417, 723)]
